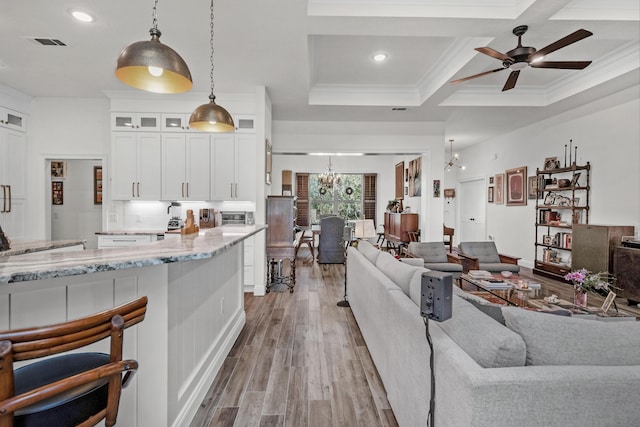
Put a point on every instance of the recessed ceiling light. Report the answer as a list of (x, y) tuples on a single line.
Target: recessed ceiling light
[(380, 57), (82, 16)]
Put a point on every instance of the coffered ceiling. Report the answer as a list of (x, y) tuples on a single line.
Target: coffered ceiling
[(315, 56)]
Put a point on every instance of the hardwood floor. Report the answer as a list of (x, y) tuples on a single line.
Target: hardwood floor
[(299, 361)]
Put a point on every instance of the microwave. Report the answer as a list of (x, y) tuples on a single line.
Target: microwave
[(236, 217)]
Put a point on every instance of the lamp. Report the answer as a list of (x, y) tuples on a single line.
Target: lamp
[(364, 230), (327, 178), (454, 158), (211, 117), (153, 66)]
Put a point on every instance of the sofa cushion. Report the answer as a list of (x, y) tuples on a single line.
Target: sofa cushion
[(499, 266), (486, 341), (560, 340), (490, 309), (486, 252), (369, 251), (429, 251), (399, 272), (415, 262)]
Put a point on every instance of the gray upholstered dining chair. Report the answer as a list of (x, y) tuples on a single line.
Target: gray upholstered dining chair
[(331, 241), (485, 256)]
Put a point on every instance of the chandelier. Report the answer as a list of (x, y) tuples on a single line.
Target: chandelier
[(328, 178), (454, 158)]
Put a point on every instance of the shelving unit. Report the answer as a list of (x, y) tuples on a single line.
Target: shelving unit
[(557, 209)]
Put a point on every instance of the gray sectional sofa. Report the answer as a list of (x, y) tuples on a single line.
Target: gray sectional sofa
[(493, 366)]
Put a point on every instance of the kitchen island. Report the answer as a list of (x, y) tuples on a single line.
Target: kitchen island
[(196, 310)]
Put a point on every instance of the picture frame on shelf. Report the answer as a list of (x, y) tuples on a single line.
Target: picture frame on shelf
[(551, 163), (516, 180), (549, 199), (574, 180), (490, 194), (498, 191)]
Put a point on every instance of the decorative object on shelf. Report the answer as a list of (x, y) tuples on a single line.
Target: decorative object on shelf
[(57, 193), (570, 146), (574, 180), (454, 158), (551, 163), (211, 117), (190, 226), (499, 189), (153, 66), (584, 281), (58, 169), (436, 188), (328, 178), (392, 206), (415, 177), (490, 195), (516, 179), (564, 183)]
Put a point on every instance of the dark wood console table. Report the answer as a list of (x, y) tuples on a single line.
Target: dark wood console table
[(398, 225)]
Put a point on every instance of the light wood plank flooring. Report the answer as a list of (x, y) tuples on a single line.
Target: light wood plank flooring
[(299, 361)]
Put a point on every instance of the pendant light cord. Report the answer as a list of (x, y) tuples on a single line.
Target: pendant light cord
[(211, 44), (154, 15)]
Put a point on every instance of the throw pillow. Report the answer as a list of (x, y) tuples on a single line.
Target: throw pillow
[(561, 340), (400, 273), (490, 309)]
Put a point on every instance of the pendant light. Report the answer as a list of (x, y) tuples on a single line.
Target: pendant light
[(153, 66), (211, 117), (453, 160)]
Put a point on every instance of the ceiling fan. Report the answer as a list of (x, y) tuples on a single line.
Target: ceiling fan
[(523, 56)]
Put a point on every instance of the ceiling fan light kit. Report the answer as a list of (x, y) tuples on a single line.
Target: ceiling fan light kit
[(152, 66), (211, 117), (522, 57)]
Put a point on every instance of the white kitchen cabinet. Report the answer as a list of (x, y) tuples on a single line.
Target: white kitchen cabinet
[(245, 124), (124, 240), (185, 166), (145, 122), (13, 182), (233, 162), (137, 166), (12, 120), (175, 122)]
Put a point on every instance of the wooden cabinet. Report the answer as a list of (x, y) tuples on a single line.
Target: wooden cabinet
[(398, 225), (185, 166), (593, 245), (281, 221), (562, 202), (137, 166), (234, 164)]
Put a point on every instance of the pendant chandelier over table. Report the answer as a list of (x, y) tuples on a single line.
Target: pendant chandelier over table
[(328, 178)]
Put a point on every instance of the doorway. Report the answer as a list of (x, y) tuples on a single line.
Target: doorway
[(472, 211), (74, 198)]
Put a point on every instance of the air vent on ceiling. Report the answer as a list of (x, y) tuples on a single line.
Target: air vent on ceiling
[(47, 41), (398, 108)]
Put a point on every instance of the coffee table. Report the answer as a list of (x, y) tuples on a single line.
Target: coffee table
[(515, 294)]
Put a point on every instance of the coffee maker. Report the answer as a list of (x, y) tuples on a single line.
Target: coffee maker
[(175, 222)]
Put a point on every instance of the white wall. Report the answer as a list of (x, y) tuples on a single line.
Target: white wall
[(393, 142), (607, 133)]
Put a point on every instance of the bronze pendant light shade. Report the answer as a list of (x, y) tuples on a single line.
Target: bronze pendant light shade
[(152, 66), (211, 117)]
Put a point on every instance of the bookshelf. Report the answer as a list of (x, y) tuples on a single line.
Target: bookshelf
[(562, 201)]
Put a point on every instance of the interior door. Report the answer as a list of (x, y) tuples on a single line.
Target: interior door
[(472, 222)]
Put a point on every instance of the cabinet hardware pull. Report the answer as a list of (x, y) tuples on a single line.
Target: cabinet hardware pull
[(138, 189), (183, 189), (10, 201), (4, 198), (236, 190), (187, 189), (133, 189), (231, 189)]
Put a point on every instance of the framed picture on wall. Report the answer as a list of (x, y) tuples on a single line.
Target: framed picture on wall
[(533, 187), (490, 195), (97, 185), (399, 181), (516, 186), (498, 191), (58, 169), (57, 193)]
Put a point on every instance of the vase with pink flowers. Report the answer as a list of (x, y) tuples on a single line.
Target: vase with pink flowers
[(585, 281)]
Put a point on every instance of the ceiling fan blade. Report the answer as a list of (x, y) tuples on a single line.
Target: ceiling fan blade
[(511, 81), (565, 41), (565, 65), (494, 53), (475, 75)]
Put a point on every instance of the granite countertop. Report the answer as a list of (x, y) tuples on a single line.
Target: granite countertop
[(131, 233), (19, 247), (201, 245)]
